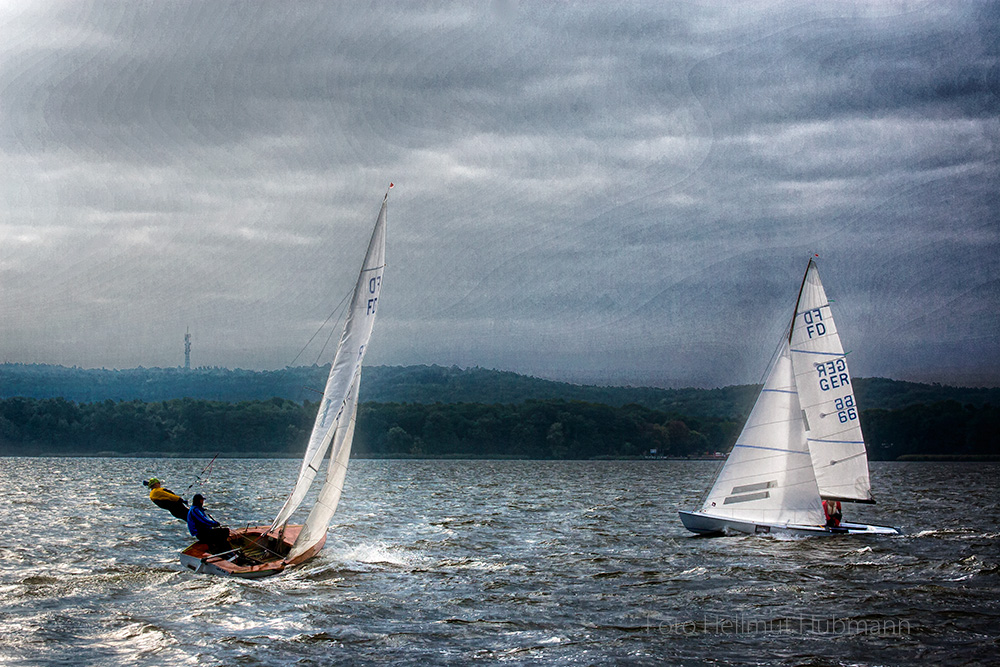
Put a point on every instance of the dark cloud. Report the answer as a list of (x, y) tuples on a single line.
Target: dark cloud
[(596, 191)]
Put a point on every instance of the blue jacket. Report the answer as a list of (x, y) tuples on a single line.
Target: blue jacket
[(198, 520)]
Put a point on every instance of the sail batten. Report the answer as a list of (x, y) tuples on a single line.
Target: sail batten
[(839, 442), (865, 501)]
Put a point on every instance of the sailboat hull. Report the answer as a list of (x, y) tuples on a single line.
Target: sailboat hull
[(706, 524), (253, 556)]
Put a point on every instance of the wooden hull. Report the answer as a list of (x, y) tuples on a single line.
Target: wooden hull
[(254, 554), (706, 524)]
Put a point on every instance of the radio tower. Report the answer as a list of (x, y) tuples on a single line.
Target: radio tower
[(187, 350)]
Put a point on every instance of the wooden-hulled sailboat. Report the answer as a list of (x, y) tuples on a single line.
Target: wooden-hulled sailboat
[(802, 443), (262, 551)]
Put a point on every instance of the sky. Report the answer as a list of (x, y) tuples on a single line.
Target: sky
[(599, 192)]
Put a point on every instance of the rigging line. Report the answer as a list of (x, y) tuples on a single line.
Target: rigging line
[(208, 468), (333, 330), (771, 363), (329, 317), (319, 356)]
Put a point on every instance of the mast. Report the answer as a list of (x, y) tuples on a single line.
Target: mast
[(798, 300)]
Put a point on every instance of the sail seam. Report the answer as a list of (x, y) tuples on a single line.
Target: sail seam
[(825, 305), (847, 458), (772, 449), (735, 479), (837, 442)]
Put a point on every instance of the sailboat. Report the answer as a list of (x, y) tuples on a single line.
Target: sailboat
[(261, 551), (802, 443)]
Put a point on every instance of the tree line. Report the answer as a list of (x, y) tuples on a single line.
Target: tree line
[(430, 384), (280, 427), (543, 429)]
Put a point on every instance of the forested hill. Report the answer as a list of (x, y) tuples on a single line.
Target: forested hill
[(428, 385), (381, 384)]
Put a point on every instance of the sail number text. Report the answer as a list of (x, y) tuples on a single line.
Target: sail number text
[(373, 287), (814, 322), (846, 410), (833, 374)]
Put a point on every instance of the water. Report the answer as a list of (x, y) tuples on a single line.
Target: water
[(457, 562)]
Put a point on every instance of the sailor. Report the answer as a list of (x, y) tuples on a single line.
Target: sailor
[(833, 514), (167, 499), (202, 526)]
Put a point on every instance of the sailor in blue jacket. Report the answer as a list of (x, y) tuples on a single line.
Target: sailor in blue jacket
[(205, 528)]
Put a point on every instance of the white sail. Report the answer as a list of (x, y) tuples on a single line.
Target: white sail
[(322, 512), (826, 393), (335, 407), (768, 476)]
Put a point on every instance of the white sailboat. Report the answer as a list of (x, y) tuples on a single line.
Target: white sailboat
[(802, 443), (261, 551)]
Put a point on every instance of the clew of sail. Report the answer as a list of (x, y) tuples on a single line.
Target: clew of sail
[(768, 476), (334, 419), (826, 393)]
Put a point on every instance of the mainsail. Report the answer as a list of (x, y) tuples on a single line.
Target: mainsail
[(826, 393), (768, 476), (338, 408)]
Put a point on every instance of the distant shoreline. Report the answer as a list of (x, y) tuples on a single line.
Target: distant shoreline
[(910, 458), (431, 412), (947, 457), (395, 457)]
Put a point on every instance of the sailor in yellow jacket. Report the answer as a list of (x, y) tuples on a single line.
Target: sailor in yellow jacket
[(167, 499)]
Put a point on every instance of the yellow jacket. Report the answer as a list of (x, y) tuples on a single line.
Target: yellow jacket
[(160, 493)]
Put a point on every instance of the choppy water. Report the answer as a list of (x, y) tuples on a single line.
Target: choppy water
[(454, 562)]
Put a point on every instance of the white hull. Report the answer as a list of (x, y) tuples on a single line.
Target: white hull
[(706, 524)]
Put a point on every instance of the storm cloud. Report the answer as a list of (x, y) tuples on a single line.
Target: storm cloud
[(601, 192)]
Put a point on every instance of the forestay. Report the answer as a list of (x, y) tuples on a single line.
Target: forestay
[(335, 418), (826, 393), (768, 476)]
